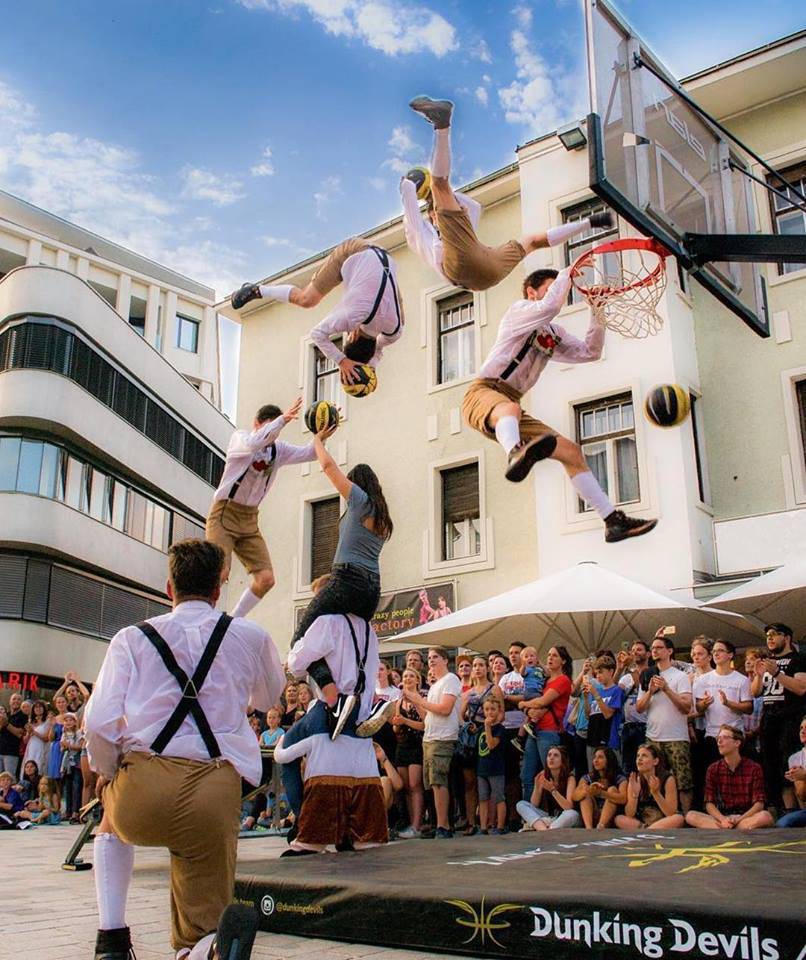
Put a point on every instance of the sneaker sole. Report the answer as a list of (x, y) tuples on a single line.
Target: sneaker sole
[(635, 532), (372, 725), (341, 722), (236, 933), (425, 106), (538, 451)]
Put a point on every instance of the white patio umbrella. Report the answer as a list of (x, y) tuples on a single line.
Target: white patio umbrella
[(585, 608), (777, 596)]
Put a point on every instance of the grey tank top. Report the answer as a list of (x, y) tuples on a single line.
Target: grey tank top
[(357, 544)]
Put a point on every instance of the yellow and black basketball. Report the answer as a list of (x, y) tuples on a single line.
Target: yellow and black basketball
[(321, 415), (667, 405), (367, 381), (421, 178)]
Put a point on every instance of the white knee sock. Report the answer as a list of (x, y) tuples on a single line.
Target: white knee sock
[(202, 949), (247, 602), (276, 291), (441, 154), (558, 235), (587, 486), (508, 432), (113, 861)]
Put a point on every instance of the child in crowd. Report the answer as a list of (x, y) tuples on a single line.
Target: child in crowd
[(72, 743), (42, 810), (273, 730), (534, 677), (652, 800), (601, 792), (552, 804), (10, 801), (28, 787), (606, 706), (491, 769)]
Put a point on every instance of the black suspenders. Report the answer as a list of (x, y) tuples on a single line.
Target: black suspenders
[(234, 488), (190, 686), (383, 256), (513, 365), (361, 682)]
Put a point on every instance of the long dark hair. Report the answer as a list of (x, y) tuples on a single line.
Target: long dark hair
[(612, 768), (565, 656), (565, 767), (363, 476)]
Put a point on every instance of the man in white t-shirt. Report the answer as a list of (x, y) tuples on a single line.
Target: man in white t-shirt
[(722, 696), (664, 695), (441, 711)]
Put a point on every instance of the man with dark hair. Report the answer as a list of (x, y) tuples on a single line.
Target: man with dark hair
[(781, 681), (370, 312), (527, 340), (447, 239), (253, 459), (633, 730), (734, 789), (167, 732), (12, 727)]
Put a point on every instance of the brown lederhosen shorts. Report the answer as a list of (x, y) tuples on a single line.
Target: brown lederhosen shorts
[(468, 263), (484, 395), (338, 808), (234, 528), (328, 276)]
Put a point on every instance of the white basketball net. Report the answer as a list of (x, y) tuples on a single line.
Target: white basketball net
[(625, 298)]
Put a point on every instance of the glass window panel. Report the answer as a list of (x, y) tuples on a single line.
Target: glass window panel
[(98, 499), (50, 475), (136, 515), (119, 497), (30, 466), (627, 416), (187, 334), (627, 470), (587, 423), (596, 455), (613, 419), (600, 421), (148, 525), (792, 223), (73, 494), (159, 532), (9, 459)]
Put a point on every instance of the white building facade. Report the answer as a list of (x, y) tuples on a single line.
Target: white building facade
[(111, 440)]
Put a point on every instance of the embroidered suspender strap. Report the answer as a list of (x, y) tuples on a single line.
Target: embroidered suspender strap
[(234, 488), (360, 661), (189, 703), (383, 256), (514, 364)]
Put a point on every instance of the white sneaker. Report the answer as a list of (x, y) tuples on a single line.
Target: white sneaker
[(380, 713), (409, 834), (341, 712)]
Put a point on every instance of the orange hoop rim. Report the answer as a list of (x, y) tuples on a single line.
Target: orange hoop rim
[(617, 246)]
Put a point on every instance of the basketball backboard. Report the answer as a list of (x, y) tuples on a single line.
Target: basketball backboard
[(663, 166)]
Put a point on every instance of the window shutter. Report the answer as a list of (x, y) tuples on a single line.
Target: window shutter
[(460, 493), (12, 576), (324, 535), (121, 609), (37, 585)]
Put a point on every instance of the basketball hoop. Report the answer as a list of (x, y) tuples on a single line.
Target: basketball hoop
[(624, 298)]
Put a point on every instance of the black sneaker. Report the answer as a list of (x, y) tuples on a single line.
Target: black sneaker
[(114, 945), (602, 220), (293, 852), (618, 526), (524, 455), (249, 291), (382, 711), (442, 833), (235, 936), (437, 112), (341, 712)]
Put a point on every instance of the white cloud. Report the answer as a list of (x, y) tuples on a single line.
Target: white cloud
[(482, 96), (266, 166), (523, 16), (403, 150), (219, 189), (481, 51), (533, 100), (392, 28), (401, 141), (377, 183), (329, 189)]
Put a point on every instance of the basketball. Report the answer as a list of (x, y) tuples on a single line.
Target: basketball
[(421, 178), (367, 382), (320, 415), (667, 405)]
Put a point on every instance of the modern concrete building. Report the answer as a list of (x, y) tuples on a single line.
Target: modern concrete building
[(111, 440), (728, 486)]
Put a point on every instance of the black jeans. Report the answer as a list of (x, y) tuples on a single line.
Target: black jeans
[(351, 589)]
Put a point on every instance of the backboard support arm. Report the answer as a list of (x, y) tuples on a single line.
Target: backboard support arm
[(745, 247)]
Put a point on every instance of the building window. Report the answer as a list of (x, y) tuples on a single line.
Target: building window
[(49, 470), (324, 535), (606, 433), (187, 334), (456, 330), (699, 452), (45, 344), (461, 525), (45, 592), (326, 376), (788, 216), (584, 241)]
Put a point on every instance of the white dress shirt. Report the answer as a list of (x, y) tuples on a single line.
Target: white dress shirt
[(362, 275), (421, 235), (328, 638), (135, 695), (344, 757), (551, 342), (251, 460)]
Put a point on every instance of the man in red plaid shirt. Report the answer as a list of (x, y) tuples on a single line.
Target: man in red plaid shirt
[(734, 789)]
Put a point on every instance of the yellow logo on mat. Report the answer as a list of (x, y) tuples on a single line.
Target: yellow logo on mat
[(711, 856), (482, 924)]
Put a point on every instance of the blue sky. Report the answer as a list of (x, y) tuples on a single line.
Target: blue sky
[(229, 138)]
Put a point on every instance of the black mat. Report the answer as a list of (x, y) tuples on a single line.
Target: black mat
[(562, 894)]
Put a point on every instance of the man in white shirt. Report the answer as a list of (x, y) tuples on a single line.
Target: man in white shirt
[(168, 734), (722, 696), (343, 799), (253, 459), (447, 241), (664, 695), (370, 312), (440, 708), (527, 340)]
